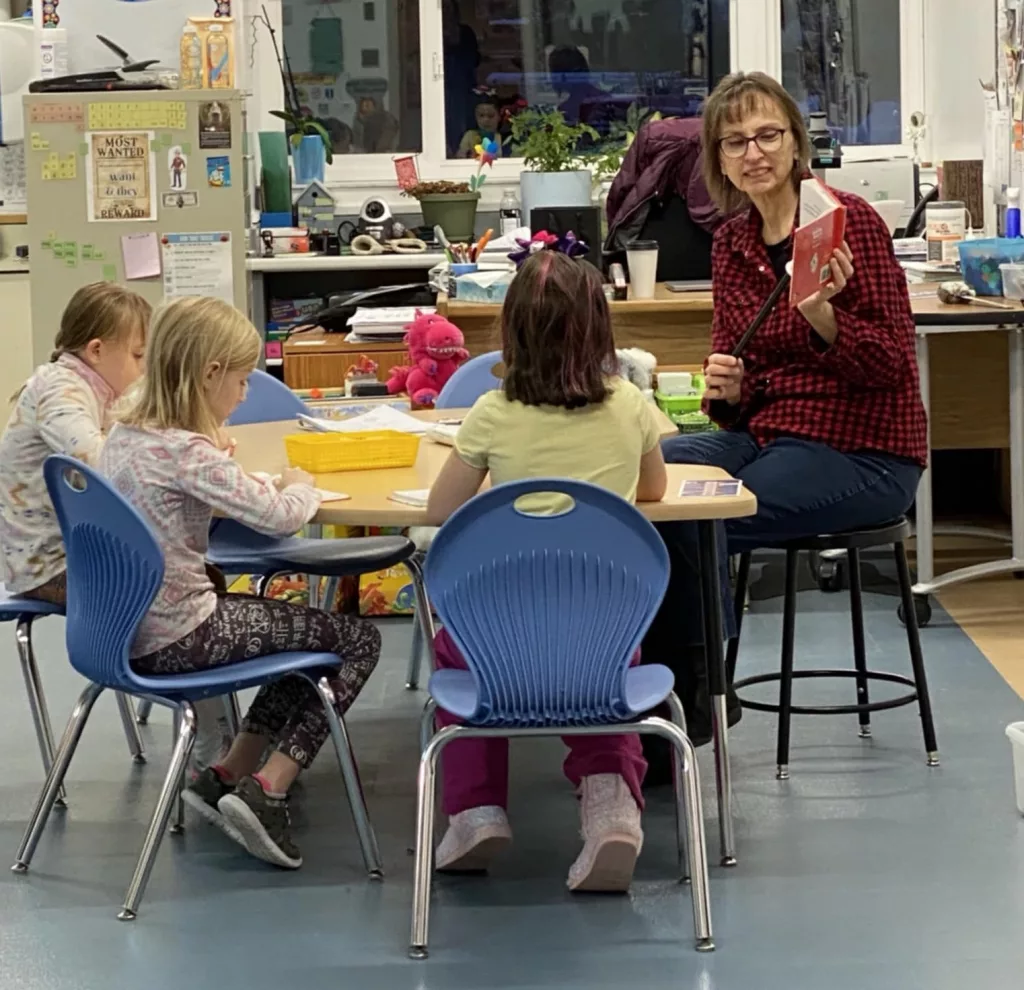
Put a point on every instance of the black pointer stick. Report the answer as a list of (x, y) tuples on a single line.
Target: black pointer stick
[(762, 315)]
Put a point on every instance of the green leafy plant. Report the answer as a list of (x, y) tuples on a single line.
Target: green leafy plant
[(300, 125), (547, 141)]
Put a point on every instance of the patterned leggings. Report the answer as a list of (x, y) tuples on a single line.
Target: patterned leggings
[(288, 710)]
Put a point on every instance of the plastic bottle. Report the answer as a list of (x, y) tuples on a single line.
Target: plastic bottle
[(191, 59), (509, 212), (1013, 212)]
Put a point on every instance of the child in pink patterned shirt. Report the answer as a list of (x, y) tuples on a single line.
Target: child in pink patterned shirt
[(168, 457), (64, 408)]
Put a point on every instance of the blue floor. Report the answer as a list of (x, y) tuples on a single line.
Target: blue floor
[(865, 871)]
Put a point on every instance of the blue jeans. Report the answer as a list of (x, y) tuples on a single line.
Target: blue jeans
[(802, 489)]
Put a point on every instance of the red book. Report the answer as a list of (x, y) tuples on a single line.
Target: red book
[(821, 232)]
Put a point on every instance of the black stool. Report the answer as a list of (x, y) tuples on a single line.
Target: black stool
[(853, 541)]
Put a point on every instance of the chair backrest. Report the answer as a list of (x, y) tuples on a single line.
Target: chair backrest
[(268, 401), (114, 566), (548, 610), (469, 382)]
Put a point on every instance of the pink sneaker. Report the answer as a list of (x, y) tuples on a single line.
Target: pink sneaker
[(474, 837), (612, 836)]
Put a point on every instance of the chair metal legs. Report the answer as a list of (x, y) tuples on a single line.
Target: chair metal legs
[(786, 680), (131, 727), (234, 713), (142, 711), (423, 633), (924, 703), (170, 792), (36, 698), (55, 777), (860, 659), (353, 785), (687, 780)]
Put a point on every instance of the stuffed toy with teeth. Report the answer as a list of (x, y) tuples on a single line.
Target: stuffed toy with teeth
[(436, 350)]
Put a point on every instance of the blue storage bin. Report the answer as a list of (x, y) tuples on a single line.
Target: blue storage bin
[(980, 261)]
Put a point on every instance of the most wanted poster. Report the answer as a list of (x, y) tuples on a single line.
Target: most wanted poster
[(121, 172)]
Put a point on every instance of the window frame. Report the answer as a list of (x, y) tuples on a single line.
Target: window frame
[(755, 41)]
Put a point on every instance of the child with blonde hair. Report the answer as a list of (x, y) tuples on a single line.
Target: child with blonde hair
[(167, 458), (66, 407)]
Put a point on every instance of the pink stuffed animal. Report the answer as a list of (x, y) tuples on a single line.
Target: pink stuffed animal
[(436, 350)]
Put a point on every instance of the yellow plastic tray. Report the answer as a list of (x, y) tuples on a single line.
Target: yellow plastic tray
[(325, 453)]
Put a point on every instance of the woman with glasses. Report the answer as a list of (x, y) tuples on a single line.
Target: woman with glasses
[(821, 417)]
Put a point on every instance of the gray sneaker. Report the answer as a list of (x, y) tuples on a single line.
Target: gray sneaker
[(203, 794), (263, 823)]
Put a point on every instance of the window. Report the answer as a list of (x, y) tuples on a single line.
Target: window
[(581, 56), (357, 71), (844, 59)]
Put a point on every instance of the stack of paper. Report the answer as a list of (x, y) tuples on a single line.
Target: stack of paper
[(443, 433), (415, 496), (378, 418), (382, 323)]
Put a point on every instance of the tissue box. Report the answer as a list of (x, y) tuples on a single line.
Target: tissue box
[(483, 287)]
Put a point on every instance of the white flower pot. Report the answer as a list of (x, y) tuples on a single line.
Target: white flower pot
[(538, 189)]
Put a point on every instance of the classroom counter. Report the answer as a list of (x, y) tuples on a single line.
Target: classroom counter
[(968, 368)]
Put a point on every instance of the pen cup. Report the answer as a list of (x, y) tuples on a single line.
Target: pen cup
[(642, 259)]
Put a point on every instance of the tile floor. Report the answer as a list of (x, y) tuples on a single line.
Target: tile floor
[(865, 870)]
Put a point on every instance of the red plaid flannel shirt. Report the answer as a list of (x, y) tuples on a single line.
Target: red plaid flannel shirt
[(860, 394)]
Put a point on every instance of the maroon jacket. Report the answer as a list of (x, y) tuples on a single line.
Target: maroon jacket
[(666, 157)]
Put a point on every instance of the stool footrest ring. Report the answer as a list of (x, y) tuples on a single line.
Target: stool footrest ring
[(872, 675)]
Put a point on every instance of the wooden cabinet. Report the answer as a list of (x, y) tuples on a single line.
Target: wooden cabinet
[(315, 359)]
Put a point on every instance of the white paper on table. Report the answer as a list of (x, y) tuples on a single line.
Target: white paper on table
[(380, 418), (325, 494), (443, 433), (413, 496), (141, 255), (367, 318), (198, 265)]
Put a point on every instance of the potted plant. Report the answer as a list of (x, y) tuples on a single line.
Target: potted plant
[(551, 147), (452, 205), (311, 145)]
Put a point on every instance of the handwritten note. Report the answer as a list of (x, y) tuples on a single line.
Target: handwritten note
[(141, 256), (121, 176)]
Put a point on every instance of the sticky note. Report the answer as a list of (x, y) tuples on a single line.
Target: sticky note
[(46, 245), (109, 273), (71, 261), (71, 248), (36, 141), (51, 235), (86, 252), (46, 172), (58, 249), (165, 140), (186, 147), (43, 145), (53, 157), (154, 145), (97, 254), (83, 149)]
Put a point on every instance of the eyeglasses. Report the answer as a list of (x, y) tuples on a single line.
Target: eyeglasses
[(768, 140)]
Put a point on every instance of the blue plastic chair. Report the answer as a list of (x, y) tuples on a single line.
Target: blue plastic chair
[(24, 612), (267, 401), (469, 382), (548, 612), (115, 568)]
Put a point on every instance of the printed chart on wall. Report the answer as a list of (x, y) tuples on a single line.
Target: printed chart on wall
[(198, 265), (121, 176)]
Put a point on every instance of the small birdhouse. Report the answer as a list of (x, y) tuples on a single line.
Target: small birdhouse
[(315, 209)]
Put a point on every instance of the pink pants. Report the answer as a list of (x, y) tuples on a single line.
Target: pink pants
[(475, 771)]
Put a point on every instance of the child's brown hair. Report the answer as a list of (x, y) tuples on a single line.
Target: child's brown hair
[(556, 328), (100, 311)]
